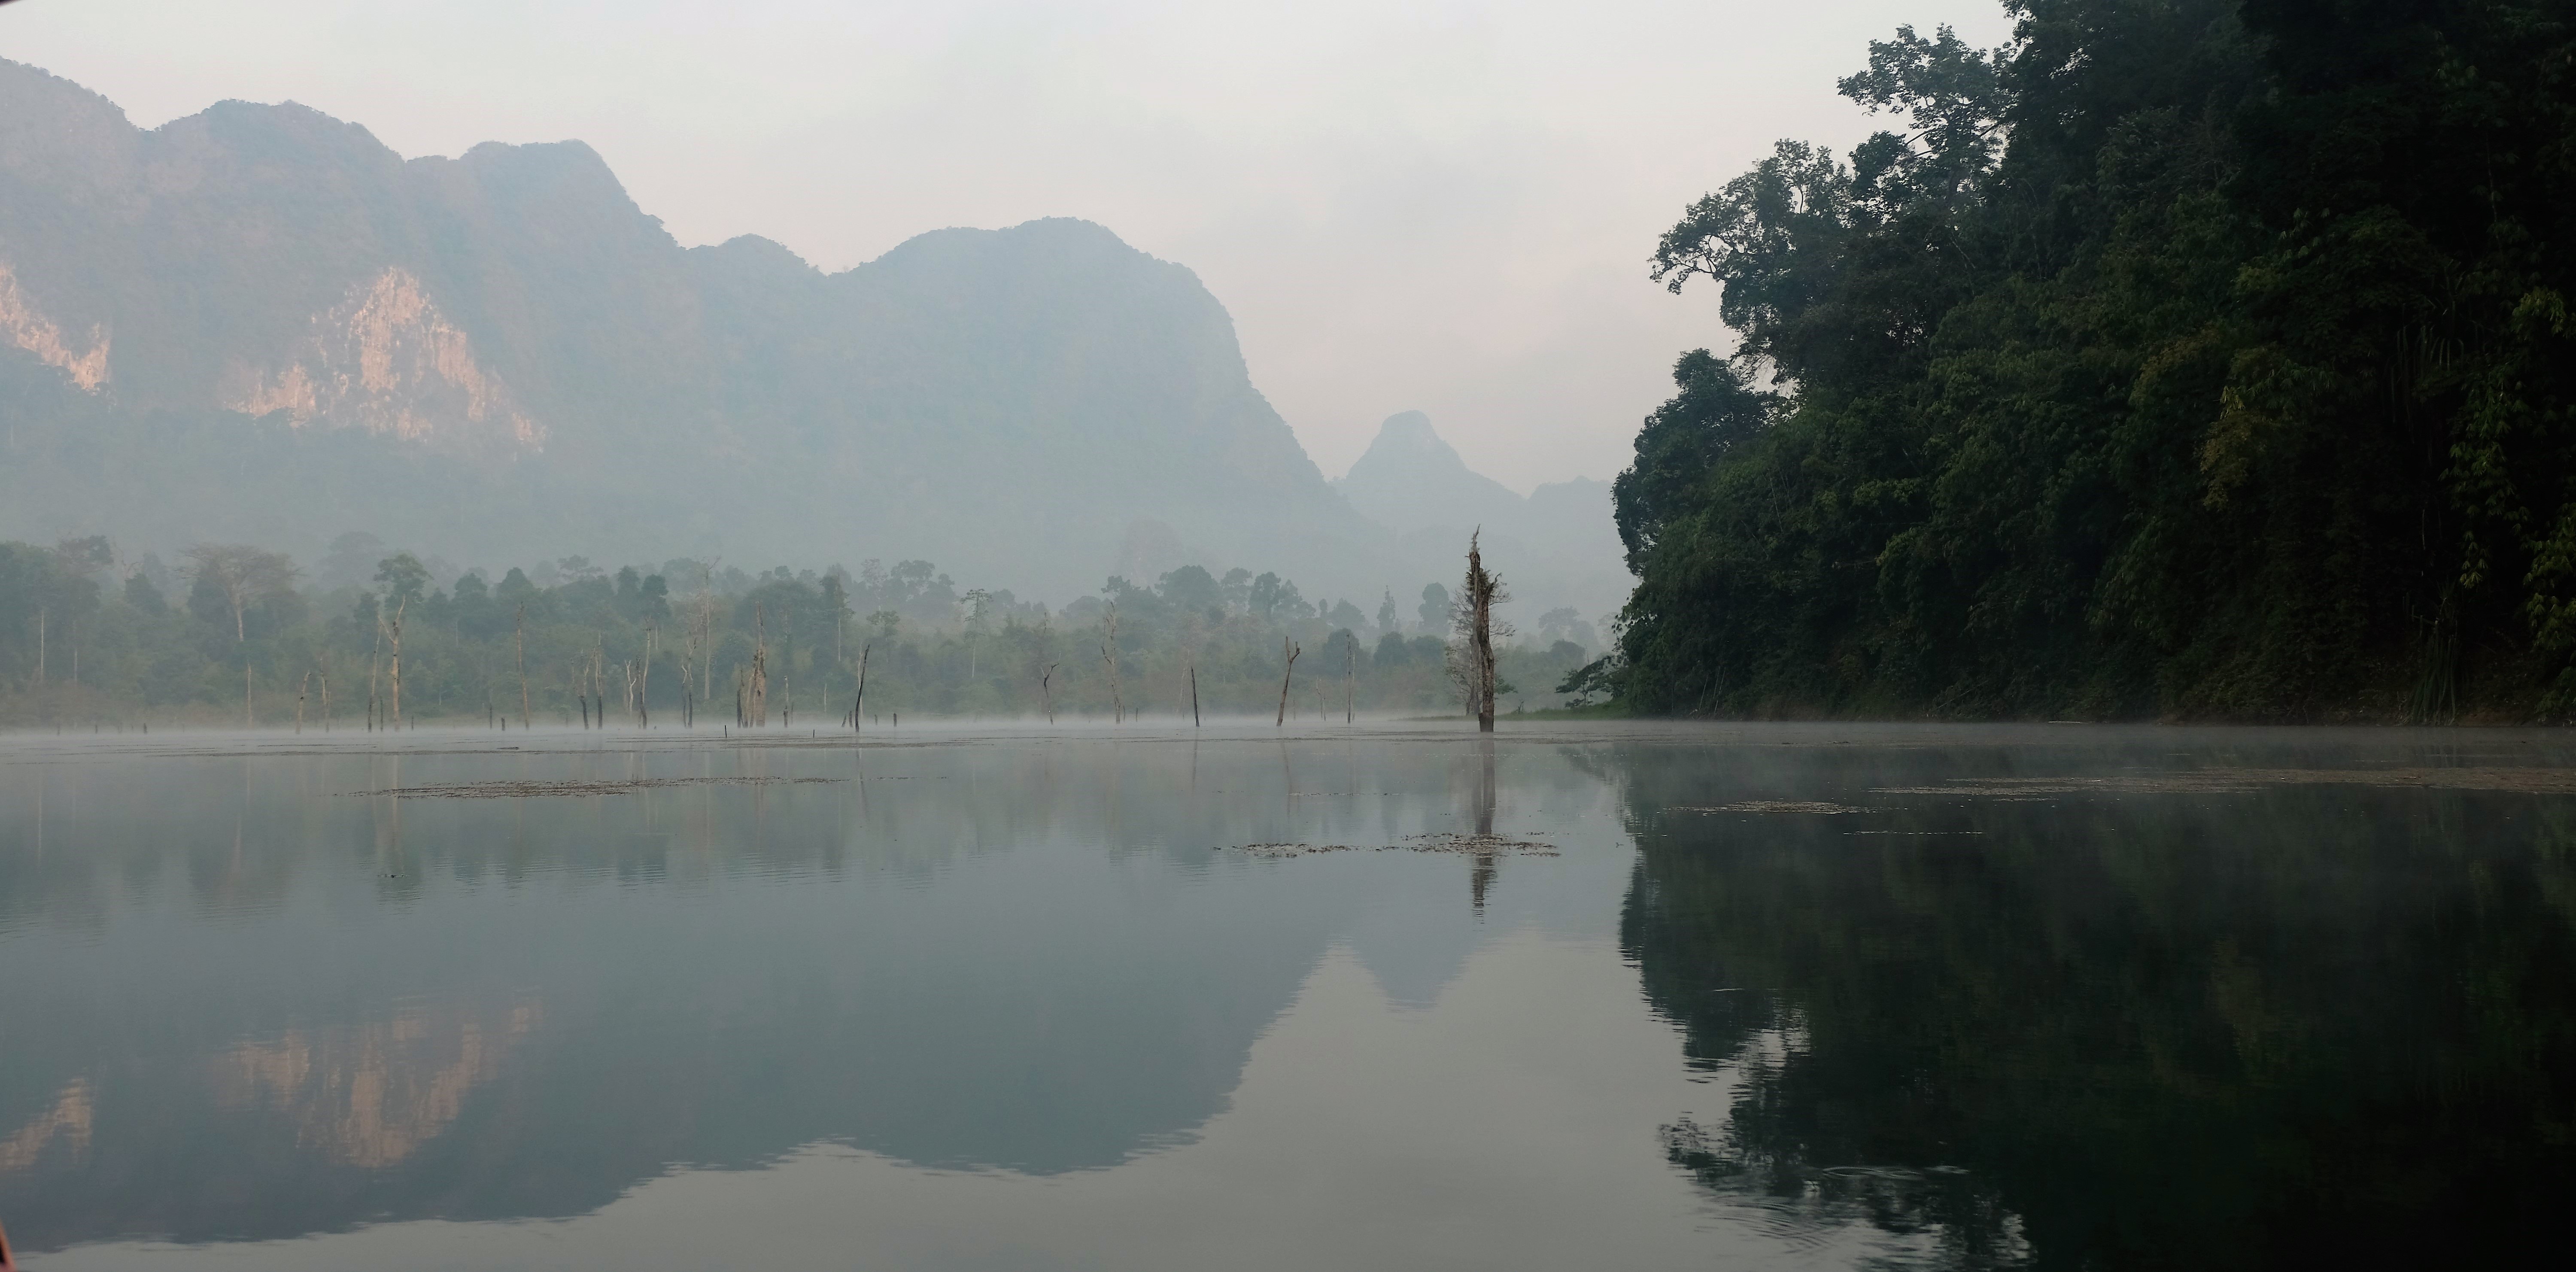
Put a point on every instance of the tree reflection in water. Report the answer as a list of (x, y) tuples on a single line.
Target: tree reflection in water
[(2297, 1026)]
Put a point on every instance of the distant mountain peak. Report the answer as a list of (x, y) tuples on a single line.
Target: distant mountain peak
[(1410, 478), (1408, 435)]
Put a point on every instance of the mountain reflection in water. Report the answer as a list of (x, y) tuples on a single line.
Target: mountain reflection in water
[(1779, 994)]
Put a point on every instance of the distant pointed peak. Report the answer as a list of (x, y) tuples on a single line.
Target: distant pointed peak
[(1408, 435), (1408, 426)]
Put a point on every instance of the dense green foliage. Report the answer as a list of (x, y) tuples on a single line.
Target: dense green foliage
[(88, 640), (2184, 357)]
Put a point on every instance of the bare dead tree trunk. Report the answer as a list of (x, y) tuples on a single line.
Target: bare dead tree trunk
[(300, 687), (523, 666), (1109, 651), (1194, 695), (372, 655), (325, 674), (397, 658), (1350, 677), (760, 667), (1285, 674), (1046, 690), (706, 637), (859, 704), (1483, 590), (1117, 705)]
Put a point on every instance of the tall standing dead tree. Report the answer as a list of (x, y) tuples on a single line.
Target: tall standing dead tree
[(523, 666), (244, 574), (1350, 678), (859, 704), (1109, 654), (759, 667), (705, 616), (1482, 592), (395, 677), (1291, 650)]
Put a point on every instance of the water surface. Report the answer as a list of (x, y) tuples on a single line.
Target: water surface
[(1392, 996)]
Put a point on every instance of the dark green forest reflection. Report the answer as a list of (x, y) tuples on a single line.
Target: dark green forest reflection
[(2312, 1025)]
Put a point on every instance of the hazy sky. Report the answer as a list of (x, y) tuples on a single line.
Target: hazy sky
[(1434, 206)]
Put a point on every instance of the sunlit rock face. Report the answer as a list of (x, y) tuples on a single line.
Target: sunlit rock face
[(385, 360), (65, 1126), (369, 1095), (24, 326)]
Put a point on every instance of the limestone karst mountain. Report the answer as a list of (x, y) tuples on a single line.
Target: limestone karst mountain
[(260, 323), (1409, 479)]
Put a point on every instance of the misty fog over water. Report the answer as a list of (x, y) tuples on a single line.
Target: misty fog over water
[(973, 996)]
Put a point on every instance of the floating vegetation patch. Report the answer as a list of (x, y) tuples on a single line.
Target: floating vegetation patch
[(1288, 850), (2531, 781), (1446, 841), (576, 786), (1451, 841), (1767, 806)]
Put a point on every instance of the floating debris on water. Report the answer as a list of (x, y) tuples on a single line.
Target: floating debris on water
[(1289, 850), (1452, 841), (1445, 841), (577, 786), (1768, 806)]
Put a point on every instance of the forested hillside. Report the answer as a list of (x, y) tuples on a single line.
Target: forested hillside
[(2193, 359)]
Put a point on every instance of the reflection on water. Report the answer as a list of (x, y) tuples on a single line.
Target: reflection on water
[(2322, 1022), (67, 1120), (1785, 995), (369, 1094)]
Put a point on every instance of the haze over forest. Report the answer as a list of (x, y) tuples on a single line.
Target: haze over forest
[(470, 356)]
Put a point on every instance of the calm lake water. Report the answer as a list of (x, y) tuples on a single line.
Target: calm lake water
[(1391, 997)]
